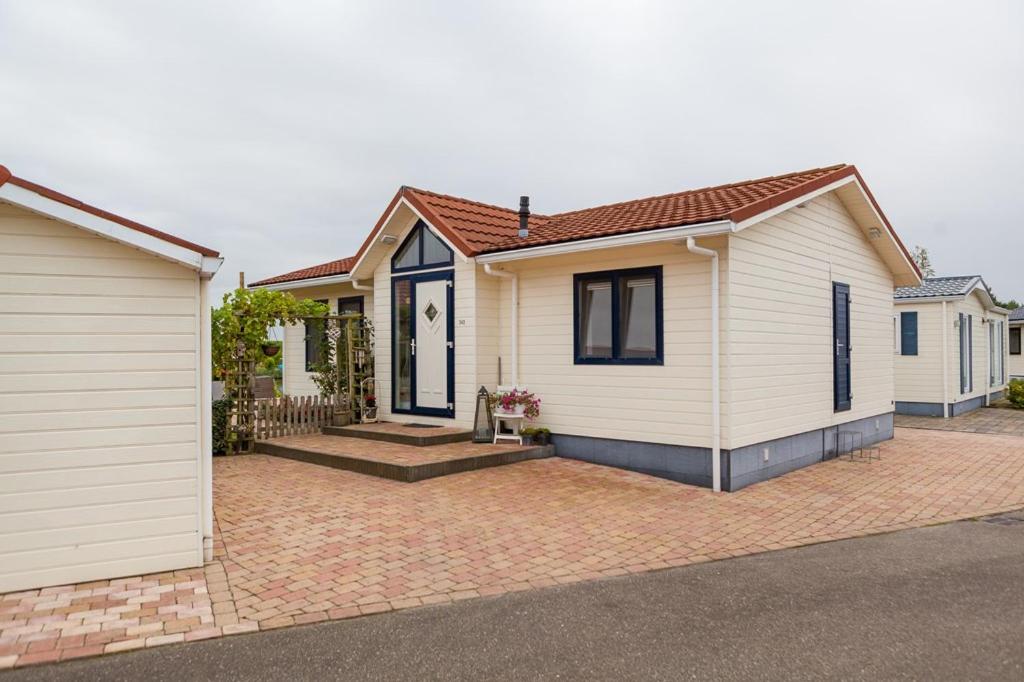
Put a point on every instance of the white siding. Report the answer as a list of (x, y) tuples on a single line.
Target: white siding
[(919, 377), (296, 380), (660, 404), (973, 306), (780, 319), (98, 407)]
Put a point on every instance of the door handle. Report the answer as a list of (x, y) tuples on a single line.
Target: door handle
[(412, 345)]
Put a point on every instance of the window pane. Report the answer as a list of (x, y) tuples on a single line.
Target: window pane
[(1015, 340), (434, 250), (637, 325), (595, 331), (403, 345), (409, 255), (347, 306)]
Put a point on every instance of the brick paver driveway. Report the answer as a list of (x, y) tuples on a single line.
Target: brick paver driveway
[(983, 420), (300, 543)]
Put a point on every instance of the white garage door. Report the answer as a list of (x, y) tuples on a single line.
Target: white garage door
[(98, 418)]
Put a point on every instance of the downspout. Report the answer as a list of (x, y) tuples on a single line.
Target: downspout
[(206, 415), (515, 317), (945, 364), (361, 287), (716, 411), (987, 325)]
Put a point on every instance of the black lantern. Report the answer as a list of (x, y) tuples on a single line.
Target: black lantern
[(483, 422)]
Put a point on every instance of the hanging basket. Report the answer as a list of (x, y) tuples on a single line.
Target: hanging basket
[(270, 349)]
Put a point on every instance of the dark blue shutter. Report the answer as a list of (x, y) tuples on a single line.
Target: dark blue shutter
[(908, 333), (841, 346), (963, 353)]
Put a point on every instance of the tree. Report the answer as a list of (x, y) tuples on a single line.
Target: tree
[(246, 315), (1009, 305), (924, 263)]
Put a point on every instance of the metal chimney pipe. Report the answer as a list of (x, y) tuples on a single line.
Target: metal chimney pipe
[(524, 217)]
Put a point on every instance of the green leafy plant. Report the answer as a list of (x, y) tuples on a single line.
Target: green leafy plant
[(221, 408), (246, 316), (1015, 393)]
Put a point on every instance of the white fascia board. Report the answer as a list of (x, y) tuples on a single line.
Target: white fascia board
[(75, 217), (928, 299), (303, 283), (668, 234)]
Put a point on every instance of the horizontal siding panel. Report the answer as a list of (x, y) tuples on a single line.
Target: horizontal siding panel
[(15, 403), (93, 438), (95, 362), (95, 343), (38, 481), (107, 531), (71, 554), (136, 323), (97, 419), (103, 267), (92, 381), (95, 305), (13, 463), (80, 572), (99, 285), (79, 497)]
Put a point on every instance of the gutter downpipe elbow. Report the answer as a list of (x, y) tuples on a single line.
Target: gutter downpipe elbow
[(361, 287), (716, 410), (515, 317)]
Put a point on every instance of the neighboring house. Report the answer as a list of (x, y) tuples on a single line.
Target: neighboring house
[(1015, 363), (606, 314), (950, 341), (105, 453)]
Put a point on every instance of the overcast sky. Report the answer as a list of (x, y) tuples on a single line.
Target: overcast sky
[(277, 132)]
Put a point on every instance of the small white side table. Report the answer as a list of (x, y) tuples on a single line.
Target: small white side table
[(514, 421)]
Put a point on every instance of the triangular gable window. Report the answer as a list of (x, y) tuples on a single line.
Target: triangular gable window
[(421, 249)]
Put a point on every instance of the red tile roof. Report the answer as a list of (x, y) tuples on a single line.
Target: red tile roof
[(334, 267), (6, 176), (477, 228)]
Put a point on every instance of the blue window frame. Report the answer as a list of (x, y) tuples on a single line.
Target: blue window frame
[(350, 304), (421, 249), (403, 339), (617, 317)]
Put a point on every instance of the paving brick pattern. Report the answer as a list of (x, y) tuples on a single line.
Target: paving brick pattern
[(983, 420), (299, 543)]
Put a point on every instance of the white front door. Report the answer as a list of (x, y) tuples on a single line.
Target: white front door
[(432, 344)]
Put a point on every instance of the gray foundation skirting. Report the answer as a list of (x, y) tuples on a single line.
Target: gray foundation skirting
[(740, 467), (919, 409)]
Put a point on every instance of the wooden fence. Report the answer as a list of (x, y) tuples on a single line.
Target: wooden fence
[(293, 415)]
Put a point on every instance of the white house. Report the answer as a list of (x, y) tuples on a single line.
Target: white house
[(718, 336), (950, 342), (105, 453), (1015, 362)]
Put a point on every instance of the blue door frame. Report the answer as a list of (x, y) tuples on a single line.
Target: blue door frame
[(448, 275)]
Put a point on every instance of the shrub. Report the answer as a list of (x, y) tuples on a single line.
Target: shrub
[(221, 408), (1015, 393)]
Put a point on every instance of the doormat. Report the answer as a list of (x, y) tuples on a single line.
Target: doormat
[(414, 425)]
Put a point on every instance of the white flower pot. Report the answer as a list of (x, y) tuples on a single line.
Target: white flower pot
[(515, 411)]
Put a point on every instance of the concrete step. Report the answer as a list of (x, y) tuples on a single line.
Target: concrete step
[(390, 432)]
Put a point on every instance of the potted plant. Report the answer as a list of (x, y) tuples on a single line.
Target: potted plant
[(529, 435), (516, 402), (270, 348), (541, 435)]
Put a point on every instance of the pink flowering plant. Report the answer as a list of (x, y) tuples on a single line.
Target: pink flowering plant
[(508, 401)]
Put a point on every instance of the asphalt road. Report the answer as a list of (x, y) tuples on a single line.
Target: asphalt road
[(945, 602)]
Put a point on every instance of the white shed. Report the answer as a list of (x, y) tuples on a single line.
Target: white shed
[(105, 453)]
